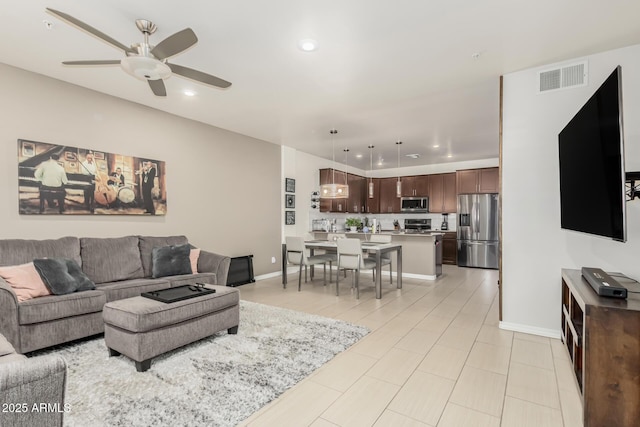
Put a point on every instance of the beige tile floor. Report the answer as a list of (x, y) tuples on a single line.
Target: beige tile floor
[(435, 357)]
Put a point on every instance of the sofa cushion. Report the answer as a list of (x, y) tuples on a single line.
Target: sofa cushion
[(62, 276), (132, 288), (147, 243), (13, 357), (170, 260), (17, 251), (53, 307), (5, 346), (25, 281), (111, 259)]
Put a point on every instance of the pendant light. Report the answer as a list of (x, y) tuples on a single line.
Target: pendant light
[(399, 183), (371, 186), (333, 190)]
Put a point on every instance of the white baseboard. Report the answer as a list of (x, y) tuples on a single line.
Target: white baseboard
[(543, 332)]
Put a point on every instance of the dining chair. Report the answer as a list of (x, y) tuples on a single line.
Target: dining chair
[(385, 259), (298, 254), (350, 257)]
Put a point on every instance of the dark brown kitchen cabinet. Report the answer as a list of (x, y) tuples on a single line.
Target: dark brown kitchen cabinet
[(356, 203), (415, 186), (442, 193), (327, 176), (372, 203), (449, 248), (471, 181), (389, 200)]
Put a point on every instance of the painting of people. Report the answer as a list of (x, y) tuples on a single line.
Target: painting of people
[(64, 180)]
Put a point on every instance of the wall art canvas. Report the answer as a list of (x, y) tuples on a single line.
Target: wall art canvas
[(65, 180)]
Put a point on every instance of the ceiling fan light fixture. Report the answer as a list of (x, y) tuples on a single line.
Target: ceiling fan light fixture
[(145, 68)]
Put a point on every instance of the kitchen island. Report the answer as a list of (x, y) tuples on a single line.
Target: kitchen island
[(421, 252)]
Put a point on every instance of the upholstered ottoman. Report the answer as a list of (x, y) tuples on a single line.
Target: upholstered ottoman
[(142, 328)]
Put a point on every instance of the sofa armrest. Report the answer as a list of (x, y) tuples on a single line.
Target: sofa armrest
[(9, 325), (214, 263), (39, 381)]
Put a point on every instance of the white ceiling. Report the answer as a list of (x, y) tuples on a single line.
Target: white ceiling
[(384, 71)]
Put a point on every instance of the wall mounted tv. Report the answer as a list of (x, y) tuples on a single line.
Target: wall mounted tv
[(592, 178)]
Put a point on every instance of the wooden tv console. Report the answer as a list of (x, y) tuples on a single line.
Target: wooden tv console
[(602, 336)]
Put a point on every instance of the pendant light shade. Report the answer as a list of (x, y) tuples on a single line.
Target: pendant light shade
[(399, 183), (371, 186), (333, 190)]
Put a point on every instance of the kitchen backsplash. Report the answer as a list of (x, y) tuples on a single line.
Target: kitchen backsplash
[(386, 220)]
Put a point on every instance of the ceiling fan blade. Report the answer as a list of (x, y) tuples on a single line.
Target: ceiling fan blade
[(173, 45), (89, 29), (97, 62), (199, 76), (157, 86)]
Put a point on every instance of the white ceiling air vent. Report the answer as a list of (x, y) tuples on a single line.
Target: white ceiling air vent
[(568, 76)]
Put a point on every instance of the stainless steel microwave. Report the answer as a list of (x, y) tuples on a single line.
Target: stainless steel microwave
[(414, 204)]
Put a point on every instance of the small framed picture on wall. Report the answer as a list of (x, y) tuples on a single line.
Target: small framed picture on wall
[(290, 201), (290, 217), (289, 185)]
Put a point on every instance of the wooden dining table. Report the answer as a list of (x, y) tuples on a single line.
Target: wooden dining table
[(373, 247)]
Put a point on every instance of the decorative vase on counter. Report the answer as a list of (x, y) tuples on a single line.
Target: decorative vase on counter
[(353, 229)]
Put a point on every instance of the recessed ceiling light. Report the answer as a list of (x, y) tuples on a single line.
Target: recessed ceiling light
[(413, 156), (358, 156), (189, 93), (308, 45), (47, 24), (380, 163), (450, 156), (436, 146)]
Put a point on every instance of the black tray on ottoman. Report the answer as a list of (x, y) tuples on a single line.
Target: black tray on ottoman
[(178, 293)]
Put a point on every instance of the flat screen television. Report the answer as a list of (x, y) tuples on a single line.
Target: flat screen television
[(592, 181)]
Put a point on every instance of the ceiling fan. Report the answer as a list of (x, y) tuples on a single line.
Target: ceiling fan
[(145, 61)]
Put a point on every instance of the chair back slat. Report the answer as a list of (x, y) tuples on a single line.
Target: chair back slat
[(380, 238), (350, 253), (295, 247)]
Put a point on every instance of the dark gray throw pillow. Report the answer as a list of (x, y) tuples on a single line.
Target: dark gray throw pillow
[(170, 261), (62, 276), (83, 283)]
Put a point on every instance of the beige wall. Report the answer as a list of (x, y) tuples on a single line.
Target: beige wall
[(223, 188)]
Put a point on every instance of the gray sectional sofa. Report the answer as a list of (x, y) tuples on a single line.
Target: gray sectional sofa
[(25, 382), (120, 267)]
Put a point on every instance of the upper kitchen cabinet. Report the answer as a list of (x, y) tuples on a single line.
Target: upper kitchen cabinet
[(355, 202), (372, 203), (415, 186), (389, 200), (471, 181), (327, 176), (442, 193)]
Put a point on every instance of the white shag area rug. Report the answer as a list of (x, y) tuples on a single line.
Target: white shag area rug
[(218, 381)]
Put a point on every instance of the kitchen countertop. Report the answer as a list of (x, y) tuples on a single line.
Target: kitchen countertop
[(392, 233)]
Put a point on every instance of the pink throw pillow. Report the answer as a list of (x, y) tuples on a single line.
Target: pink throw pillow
[(25, 281), (193, 257)]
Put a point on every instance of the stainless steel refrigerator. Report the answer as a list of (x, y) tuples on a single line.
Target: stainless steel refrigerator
[(478, 230)]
